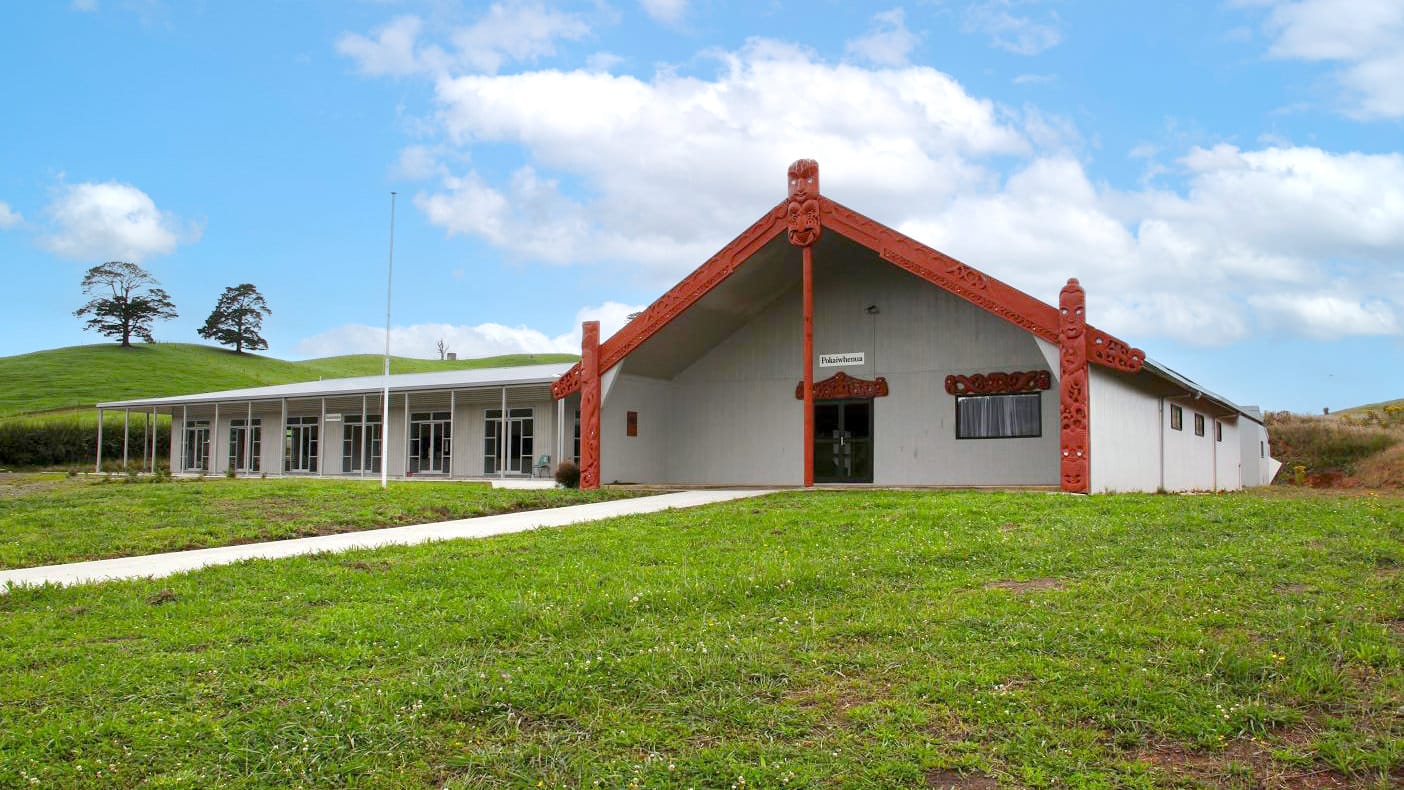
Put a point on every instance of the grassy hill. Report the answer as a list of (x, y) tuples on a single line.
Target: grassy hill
[(80, 376)]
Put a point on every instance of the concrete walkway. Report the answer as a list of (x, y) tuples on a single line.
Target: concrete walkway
[(157, 565)]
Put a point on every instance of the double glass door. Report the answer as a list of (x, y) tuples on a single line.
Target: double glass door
[(843, 441), (300, 444), (360, 445), (519, 439), (430, 443), (197, 446), (245, 444)]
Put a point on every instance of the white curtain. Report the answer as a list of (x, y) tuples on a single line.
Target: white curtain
[(998, 416)]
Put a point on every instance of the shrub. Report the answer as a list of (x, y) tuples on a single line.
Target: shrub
[(62, 440), (1311, 447), (568, 474)]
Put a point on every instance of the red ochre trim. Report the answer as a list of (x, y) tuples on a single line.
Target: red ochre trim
[(590, 406), (963, 280), (842, 386), (999, 383)]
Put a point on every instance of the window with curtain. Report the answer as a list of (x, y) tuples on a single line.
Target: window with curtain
[(1011, 416)]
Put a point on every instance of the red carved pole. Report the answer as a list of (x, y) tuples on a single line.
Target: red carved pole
[(590, 405), (1074, 427), (808, 368), (802, 218)]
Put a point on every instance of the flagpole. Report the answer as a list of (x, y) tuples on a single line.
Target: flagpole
[(385, 396)]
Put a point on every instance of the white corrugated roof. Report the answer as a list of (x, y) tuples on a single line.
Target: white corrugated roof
[(403, 382)]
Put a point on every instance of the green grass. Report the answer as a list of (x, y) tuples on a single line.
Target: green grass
[(49, 519), (828, 639), (80, 376)]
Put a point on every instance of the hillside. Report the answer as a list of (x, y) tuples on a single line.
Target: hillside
[(80, 376)]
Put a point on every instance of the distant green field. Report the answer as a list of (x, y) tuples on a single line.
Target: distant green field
[(80, 376)]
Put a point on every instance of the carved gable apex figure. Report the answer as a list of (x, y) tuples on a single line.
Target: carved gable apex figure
[(802, 212)]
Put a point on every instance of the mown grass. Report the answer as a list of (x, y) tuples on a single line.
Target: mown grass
[(49, 519), (80, 376), (829, 639)]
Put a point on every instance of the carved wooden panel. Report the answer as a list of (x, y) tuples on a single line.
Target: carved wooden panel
[(802, 208), (1110, 352), (1074, 434), (842, 386), (999, 383), (590, 406)]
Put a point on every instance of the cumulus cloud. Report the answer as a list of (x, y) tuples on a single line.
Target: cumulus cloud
[(658, 172), (669, 12), (507, 32), (1020, 34), (111, 220), (467, 341), (1366, 37), (9, 218), (888, 43)]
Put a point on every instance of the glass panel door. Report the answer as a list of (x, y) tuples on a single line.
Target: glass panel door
[(843, 441), (245, 449), (358, 441), (197, 446), (521, 445), (300, 444), (430, 442)]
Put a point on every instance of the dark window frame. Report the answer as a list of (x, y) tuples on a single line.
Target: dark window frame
[(1038, 398), (1177, 418), (631, 423), (1198, 424), (1218, 430)]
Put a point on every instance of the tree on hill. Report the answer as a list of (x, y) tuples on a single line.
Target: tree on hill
[(237, 319), (125, 301)]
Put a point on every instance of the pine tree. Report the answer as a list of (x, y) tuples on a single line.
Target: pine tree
[(125, 302), (237, 319)]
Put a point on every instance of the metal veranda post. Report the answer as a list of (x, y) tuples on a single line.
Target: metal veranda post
[(126, 434), (98, 466)]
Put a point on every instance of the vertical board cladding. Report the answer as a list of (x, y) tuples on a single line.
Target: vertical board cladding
[(642, 458), (735, 414), (1189, 459), (1124, 433)]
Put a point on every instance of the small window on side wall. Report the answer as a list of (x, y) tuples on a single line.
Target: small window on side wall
[(631, 423), (1177, 418), (1218, 431), (1199, 425)]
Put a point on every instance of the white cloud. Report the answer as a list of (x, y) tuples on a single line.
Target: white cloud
[(1022, 35), (417, 163), (1365, 36), (507, 32), (1326, 317), (467, 341), (1035, 79), (887, 43), (84, 5), (9, 218), (669, 12), (112, 221)]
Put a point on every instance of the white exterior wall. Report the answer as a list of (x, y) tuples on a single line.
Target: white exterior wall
[(1189, 459), (1228, 472), (641, 458), (1125, 433)]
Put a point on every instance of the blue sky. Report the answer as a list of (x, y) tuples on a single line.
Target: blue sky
[(1225, 178)]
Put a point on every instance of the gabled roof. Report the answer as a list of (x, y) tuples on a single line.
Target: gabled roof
[(937, 268), (401, 382)]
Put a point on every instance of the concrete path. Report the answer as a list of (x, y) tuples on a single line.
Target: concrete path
[(157, 565)]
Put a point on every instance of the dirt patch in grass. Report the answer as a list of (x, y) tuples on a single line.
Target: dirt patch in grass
[(1030, 585), (163, 597), (362, 565), (1294, 588), (1243, 763), (953, 780)]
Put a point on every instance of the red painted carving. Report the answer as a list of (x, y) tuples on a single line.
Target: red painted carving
[(590, 405), (999, 383), (1110, 352), (1074, 428), (802, 209), (842, 386), (680, 297)]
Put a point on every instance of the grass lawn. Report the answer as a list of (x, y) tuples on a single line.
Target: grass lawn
[(824, 639), (48, 518)]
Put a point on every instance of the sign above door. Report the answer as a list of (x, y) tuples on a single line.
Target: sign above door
[(841, 360)]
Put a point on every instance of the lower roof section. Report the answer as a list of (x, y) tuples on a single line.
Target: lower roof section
[(471, 378)]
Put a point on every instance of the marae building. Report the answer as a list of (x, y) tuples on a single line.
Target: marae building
[(819, 346)]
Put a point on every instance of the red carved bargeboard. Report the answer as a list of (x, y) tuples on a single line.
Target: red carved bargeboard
[(1074, 434), (999, 383), (842, 386)]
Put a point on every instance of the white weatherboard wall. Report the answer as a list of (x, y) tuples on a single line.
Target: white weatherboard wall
[(641, 458), (1125, 433), (1189, 459)]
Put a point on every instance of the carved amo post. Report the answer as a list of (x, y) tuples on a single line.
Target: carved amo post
[(802, 217), (590, 405), (1074, 428)]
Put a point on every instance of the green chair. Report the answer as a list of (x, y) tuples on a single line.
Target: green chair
[(543, 465)]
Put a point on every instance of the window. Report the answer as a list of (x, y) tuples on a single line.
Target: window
[(1012, 416), (1177, 418), (300, 437), (519, 435), (1199, 425), (631, 423), (1218, 431), (197, 445), (576, 454), (1262, 449), (245, 445)]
